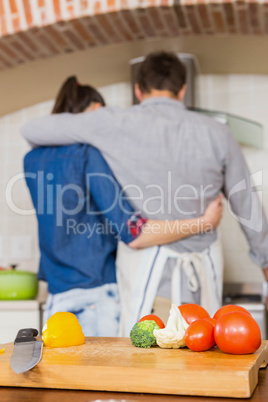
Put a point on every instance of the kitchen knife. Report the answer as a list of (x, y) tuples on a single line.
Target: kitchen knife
[(27, 351)]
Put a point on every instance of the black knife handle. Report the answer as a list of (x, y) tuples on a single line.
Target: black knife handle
[(26, 335)]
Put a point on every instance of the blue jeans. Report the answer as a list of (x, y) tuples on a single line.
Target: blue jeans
[(97, 309)]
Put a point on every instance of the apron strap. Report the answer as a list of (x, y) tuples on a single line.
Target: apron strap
[(185, 261)]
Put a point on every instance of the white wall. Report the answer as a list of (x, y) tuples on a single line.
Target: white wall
[(244, 95)]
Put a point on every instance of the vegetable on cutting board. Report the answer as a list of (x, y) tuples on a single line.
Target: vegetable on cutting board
[(142, 335), (152, 317), (199, 336), (62, 330), (172, 336), (237, 333), (192, 312), (229, 308), (211, 320), (232, 329)]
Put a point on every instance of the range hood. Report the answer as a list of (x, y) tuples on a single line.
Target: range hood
[(247, 132)]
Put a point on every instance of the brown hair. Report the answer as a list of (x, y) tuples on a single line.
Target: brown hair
[(75, 98), (162, 71)]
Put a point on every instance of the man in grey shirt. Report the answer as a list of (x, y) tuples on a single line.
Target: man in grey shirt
[(171, 162)]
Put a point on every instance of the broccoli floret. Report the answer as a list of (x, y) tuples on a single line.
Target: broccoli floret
[(142, 335)]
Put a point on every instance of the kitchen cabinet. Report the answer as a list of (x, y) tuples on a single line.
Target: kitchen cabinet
[(15, 315), (245, 131)]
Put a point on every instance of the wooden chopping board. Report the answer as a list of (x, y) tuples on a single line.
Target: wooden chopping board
[(113, 364)]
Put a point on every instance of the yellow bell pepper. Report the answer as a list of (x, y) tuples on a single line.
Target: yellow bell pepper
[(61, 330)]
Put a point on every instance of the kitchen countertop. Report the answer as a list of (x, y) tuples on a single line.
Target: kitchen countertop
[(44, 395), (17, 305)]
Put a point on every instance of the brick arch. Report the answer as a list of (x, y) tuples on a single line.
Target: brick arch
[(36, 29)]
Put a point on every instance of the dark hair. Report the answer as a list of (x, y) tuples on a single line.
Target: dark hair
[(75, 98), (162, 71)]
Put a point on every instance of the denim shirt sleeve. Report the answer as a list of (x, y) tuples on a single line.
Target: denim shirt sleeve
[(110, 199)]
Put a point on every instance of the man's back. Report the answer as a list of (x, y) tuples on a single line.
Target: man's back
[(171, 161), (178, 154)]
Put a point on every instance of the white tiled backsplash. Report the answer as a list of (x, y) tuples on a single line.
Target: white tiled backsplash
[(243, 95)]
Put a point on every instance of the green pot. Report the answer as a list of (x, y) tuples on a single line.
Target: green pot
[(18, 285)]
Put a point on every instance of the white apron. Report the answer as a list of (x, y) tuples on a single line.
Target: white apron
[(139, 273)]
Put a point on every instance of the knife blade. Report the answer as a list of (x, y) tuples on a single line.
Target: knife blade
[(27, 351)]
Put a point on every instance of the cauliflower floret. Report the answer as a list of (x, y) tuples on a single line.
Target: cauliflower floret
[(171, 337)]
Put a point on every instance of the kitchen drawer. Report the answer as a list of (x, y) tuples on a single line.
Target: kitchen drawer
[(12, 321)]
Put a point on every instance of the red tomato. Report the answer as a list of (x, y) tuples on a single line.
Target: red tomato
[(154, 318), (193, 312), (199, 336), (229, 308), (211, 320), (237, 333)]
